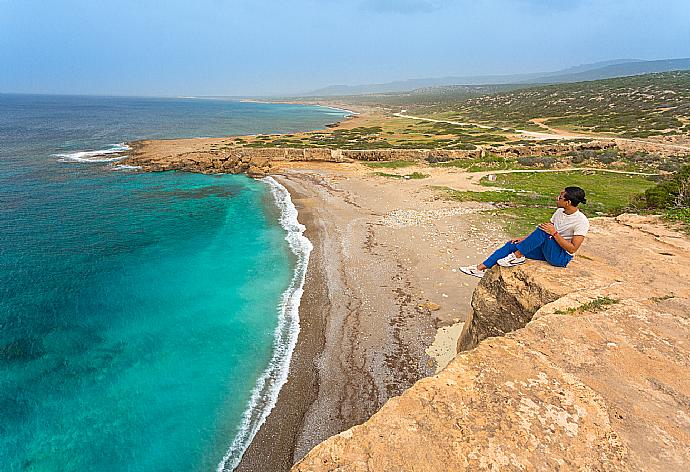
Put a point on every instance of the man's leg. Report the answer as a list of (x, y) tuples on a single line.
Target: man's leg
[(536, 254), (499, 253), (555, 254), (531, 244)]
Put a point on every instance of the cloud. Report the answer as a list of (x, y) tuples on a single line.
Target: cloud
[(401, 6)]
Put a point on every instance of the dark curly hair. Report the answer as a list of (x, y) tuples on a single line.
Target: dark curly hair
[(575, 195)]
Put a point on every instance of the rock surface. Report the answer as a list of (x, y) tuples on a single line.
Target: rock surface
[(584, 368)]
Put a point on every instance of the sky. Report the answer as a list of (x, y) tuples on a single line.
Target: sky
[(265, 47)]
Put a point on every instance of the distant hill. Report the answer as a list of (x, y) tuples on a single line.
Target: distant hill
[(594, 71), (415, 84), (617, 70)]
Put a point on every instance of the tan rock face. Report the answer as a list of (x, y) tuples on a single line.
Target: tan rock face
[(211, 155), (558, 379)]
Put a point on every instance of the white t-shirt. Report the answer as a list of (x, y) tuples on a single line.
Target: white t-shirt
[(568, 226)]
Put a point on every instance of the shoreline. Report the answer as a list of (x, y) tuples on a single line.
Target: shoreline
[(273, 447), (318, 103), (268, 386)]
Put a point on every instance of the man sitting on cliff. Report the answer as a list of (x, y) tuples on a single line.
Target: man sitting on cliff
[(554, 242)]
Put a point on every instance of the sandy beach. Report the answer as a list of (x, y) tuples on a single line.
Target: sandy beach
[(383, 303)]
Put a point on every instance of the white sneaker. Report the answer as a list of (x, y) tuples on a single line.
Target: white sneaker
[(473, 271), (511, 260)]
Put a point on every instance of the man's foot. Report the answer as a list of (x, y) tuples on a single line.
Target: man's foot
[(511, 260), (473, 271)]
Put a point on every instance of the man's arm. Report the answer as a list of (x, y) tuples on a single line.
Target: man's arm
[(570, 246)]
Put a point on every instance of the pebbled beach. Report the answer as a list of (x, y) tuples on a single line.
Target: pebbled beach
[(376, 315)]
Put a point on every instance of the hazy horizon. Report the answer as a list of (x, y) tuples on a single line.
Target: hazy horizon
[(242, 48)]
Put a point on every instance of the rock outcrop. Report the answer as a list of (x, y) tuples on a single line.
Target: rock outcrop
[(212, 155), (584, 368)]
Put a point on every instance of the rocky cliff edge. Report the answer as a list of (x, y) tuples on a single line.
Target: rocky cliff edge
[(584, 368)]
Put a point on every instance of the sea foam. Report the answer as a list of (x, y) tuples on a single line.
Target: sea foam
[(125, 167), (265, 393), (101, 155), (338, 110)]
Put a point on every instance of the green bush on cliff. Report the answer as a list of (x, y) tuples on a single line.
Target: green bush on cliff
[(672, 197), (673, 193)]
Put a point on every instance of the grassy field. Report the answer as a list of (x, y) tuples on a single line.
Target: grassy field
[(383, 132), (527, 199)]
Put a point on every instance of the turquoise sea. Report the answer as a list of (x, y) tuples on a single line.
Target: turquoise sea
[(146, 320)]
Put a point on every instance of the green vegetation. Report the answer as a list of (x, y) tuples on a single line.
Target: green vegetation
[(679, 215), (425, 96), (479, 164), (526, 199), (413, 175), (671, 197), (640, 161), (637, 106), (670, 193), (611, 158), (387, 133), (595, 305), (607, 193), (389, 164)]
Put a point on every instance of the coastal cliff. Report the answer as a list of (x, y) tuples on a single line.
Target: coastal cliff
[(578, 368)]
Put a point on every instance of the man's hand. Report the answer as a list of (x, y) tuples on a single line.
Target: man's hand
[(548, 228)]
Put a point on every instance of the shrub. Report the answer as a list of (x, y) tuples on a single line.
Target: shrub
[(537, 161), (671, 193), (607, 157), (578, 159), (435, 159)]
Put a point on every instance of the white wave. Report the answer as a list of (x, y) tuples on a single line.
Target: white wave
[(265, 393), (95, 156), (126, 167), (342, 110)]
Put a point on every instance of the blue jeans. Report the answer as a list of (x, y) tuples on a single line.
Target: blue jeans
[(538, 245)]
